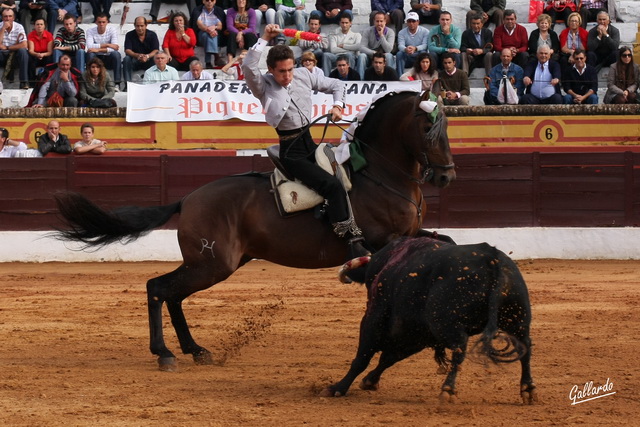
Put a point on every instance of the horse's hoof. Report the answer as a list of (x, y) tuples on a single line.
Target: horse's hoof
[(442, 370), (368, 385), (529, 395), (330, 392), (203, 358), (447, 397), (167, 364)]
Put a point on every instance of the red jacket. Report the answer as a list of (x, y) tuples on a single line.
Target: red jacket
[(519, 39), (179, 49), (564, 35)]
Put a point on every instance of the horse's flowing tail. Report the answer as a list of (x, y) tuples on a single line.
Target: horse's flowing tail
[(87, 223)]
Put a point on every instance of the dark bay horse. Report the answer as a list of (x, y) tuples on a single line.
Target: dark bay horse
[(226, 223)]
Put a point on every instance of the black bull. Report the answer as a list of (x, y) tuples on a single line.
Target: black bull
[(427, 293)]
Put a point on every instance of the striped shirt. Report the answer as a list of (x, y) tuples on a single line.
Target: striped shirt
[(15, 36), (76, 40)]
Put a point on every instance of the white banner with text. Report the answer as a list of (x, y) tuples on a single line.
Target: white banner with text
[(215, 100)]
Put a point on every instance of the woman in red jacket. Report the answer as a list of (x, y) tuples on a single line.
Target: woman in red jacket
[(572, 38), (179, 42)]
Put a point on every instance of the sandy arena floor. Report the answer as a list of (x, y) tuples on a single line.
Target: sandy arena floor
[(75, 352)]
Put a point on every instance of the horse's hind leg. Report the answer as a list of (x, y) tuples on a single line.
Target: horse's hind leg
[(173, 288)]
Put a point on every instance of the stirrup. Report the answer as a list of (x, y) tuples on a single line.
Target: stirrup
[(341, 228)]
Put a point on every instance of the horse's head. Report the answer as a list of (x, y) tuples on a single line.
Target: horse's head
[(397, 132), (431, 144)]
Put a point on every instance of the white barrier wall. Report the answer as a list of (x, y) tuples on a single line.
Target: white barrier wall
[(519, 243)]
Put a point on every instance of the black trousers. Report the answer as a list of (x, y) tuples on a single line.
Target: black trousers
[(298, 157)]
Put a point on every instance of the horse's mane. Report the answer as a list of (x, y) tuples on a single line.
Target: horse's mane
[(436, 132)]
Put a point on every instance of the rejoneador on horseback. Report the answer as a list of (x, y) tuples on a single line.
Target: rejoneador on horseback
[(284, 94)]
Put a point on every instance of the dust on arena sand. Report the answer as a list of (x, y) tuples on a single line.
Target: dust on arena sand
[(75, 351)]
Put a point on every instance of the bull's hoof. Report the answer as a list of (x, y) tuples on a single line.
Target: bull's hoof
[(330, 392), (529, 394), (448, 397), (368, 385), (167, 364), (203, 357)]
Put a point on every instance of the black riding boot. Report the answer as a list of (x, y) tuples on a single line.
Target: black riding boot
[(348, 228)]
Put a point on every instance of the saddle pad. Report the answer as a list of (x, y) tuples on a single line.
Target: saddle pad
[(294, 196)]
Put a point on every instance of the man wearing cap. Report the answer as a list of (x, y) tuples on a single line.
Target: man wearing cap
[(412, 40)]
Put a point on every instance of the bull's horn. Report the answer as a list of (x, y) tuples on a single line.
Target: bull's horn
[(351, 265)]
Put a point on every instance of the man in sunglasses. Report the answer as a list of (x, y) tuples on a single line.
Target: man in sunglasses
[(580, 82)]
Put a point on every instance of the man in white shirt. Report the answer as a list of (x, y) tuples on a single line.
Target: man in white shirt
[(102, 40), (161, 71), (196, 72), (13, 44)]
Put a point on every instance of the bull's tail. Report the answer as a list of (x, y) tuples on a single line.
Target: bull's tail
[(87, 223), (499, 346), (354, 270)]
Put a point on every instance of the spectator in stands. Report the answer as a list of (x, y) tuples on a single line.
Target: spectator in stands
[(308, 60), (40, 46), (544, 35), (623, 79), (160, 71), (196, 72), (179, 42), (61, 88), (102, 41), (9, 4), (491, 11), (222, 17), (30, 10), (559, 10), (140, 46), (241, 23), (100, 7), (580, 82), (13, 48), (290, 12), (378, 37), (89, 144), (571, 38), (210, 28), (476, 46), (342, 42), (53, 140), (445, 37), (412, 40), (427, 10), (393, 14), (70, 40), (343, 70), (589, 10), (9, 147), (424, 70), (57, 11), (507, 68), (454, 82), (542, 80), (602, 42), (330, 11), (96, 88), (316, 47), (265, 11), (234, 67), (379, 71), (512, 35), (155, 8)]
